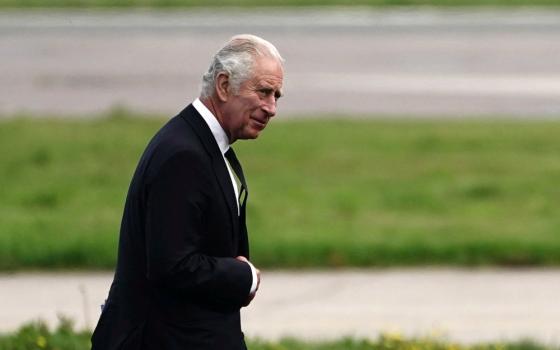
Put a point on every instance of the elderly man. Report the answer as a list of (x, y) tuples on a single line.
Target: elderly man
[(183, 269)]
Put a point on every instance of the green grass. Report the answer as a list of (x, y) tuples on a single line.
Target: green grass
[(277, 3), (322, 192), (37, 336)]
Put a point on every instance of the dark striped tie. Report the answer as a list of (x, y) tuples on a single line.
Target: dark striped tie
[(242, 200), (236, 166)]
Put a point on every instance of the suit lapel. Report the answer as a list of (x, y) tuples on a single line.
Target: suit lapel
[(191, 116)]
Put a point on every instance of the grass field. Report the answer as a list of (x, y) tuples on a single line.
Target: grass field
[(35, 336), (323, 192), (277, 3)]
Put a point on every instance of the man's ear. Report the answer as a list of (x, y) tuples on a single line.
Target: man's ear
[(222, 86)]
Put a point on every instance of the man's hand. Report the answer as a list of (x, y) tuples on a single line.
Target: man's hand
[(251, 295)]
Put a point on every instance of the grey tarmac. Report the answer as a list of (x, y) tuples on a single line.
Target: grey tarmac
[(364, 62), (458, 304)]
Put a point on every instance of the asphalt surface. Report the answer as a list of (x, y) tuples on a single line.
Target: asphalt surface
[(362, 62), (463, 305)]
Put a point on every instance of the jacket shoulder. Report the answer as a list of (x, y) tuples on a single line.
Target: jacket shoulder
[(175, 138)]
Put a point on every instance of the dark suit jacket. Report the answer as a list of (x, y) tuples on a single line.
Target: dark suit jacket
[(177, 283)]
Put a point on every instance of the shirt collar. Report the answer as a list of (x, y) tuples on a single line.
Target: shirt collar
[(219, 134)]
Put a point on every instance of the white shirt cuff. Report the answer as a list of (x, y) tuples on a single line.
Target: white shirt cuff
[(255, 278)]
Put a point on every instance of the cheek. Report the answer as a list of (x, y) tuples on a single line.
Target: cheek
[(247, 107), (250, 107)]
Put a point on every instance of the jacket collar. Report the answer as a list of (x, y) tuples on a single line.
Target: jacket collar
[(219, 134), (202, 130)]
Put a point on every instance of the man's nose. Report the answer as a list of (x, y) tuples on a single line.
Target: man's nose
[(270, 106)]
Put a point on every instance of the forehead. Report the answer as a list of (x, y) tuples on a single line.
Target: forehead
[(268, 71)]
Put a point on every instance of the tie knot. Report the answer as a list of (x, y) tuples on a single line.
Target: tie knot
[(230, 155)]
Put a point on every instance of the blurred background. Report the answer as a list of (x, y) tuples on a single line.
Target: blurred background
[(413, 161)]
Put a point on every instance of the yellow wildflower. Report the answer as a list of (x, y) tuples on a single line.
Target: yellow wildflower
[(41, 342)]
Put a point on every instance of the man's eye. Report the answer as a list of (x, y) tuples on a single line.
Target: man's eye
[(265, 92)]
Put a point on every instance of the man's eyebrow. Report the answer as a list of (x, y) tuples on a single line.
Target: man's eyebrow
[(266, 86)]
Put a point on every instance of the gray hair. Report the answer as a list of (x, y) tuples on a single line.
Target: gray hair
[(236, 59)]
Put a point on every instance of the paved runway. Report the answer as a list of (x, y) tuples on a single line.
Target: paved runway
[(417, 63), (462, 305)]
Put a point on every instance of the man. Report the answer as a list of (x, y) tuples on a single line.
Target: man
[(183, 269)]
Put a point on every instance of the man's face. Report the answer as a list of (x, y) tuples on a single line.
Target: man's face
[(247, 112)]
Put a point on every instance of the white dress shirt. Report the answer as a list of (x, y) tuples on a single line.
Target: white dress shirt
[(223, 143)]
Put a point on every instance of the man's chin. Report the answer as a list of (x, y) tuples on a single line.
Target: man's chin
[(254, 133), (250, 135)]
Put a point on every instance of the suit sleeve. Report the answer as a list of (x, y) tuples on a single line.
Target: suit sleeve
[(176, 200)]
